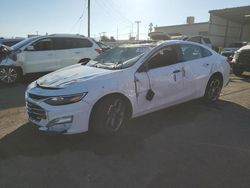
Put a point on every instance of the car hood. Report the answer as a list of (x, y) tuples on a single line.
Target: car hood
[(247, 47), (71, 75)]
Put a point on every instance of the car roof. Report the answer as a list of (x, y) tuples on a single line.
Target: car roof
[(139, 45), (162, 43)]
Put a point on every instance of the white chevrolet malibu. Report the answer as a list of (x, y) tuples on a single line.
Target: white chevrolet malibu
[(124, 82)]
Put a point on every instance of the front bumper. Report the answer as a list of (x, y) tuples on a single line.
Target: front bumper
[(67, 119)]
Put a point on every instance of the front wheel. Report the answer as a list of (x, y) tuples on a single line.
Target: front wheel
[(213, 89), (108, 116), (9, 75)]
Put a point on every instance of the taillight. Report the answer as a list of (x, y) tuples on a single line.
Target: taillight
[(99, 50)]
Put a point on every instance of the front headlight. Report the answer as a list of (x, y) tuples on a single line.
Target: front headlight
[(63, 100)]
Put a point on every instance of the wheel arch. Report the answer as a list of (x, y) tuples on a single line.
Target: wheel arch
[(219, 74), (125, 98)]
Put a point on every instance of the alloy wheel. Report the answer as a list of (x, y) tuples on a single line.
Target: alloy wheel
[(115, 115), (8, 75), (214, 89)]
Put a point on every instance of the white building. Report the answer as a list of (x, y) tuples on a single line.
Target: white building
[(224, 27)]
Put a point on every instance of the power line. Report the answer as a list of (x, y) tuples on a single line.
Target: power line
[(81, 18)]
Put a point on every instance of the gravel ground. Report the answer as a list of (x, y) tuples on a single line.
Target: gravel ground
[(189, 145)]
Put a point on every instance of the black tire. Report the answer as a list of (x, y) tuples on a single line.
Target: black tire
[(10, 75), (213, 89), (237, 72), (108, 116)]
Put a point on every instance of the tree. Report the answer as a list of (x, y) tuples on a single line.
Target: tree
[(104, 38), (112, 39)]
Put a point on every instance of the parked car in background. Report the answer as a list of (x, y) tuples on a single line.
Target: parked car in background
[(10, 42), (229, 51), (123, 82), (241, 60), (200, 39), (46, 54)]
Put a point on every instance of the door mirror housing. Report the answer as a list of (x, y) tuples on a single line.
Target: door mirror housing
[(30, 48)]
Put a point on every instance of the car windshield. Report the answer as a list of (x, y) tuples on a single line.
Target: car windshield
[(23, 43), (119, 57)]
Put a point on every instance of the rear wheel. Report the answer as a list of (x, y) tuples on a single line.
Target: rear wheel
[(9, 75), (108, 115), (213, 89)]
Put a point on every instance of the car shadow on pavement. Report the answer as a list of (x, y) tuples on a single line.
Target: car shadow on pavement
[(244, 77), (28, 141)]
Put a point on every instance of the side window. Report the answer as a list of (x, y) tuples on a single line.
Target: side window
[(164, 57), (191, 52), (43, 45), (71, 43), (84, 43), (59, 43), (205, 52)]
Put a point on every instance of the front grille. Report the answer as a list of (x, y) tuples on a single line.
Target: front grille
[(35, 112)]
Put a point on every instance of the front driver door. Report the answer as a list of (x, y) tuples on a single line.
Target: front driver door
[(164, 77), (41, 58)]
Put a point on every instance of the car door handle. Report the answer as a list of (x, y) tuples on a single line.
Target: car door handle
[(176, 71), (50, 54), (77, 52)]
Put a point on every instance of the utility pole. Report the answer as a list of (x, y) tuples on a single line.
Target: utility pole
[(88, 18), (117, 33), (138, 29)]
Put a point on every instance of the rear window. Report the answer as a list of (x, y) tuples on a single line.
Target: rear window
[(207, 40), (205, 52), (195, 39)]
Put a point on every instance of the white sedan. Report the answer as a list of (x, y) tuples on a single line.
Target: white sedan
[(125, 82)]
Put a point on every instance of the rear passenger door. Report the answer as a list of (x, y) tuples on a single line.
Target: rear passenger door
[(198, 63), (70, 51), (65, 51)]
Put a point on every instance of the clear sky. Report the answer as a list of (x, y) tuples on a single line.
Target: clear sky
[(19, 18)]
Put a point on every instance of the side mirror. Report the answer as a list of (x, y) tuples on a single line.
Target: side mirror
[(30, 48)]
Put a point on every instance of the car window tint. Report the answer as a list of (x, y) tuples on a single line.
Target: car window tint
[(164, 57), (207, 40), (195, 39), (83, 43), (43, 45), (205, 52), (71, 43), (10, 43), (191, 52)]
